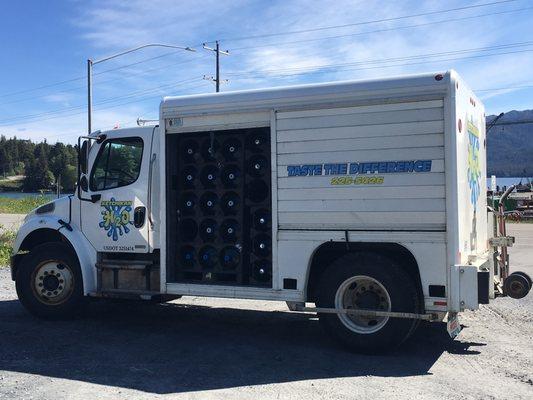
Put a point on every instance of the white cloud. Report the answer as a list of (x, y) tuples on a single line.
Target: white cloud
[(59, 98)]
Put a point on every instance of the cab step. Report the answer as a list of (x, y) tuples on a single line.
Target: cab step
[(107, 261), (126, 294), (123, 265)]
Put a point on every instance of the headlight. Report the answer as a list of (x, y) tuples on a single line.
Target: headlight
[(46, 208)]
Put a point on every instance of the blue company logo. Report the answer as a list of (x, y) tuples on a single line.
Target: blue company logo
[(115, 217), (354, 168), (474, 169)]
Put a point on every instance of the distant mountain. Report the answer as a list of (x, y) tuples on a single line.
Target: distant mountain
[(510, 147)]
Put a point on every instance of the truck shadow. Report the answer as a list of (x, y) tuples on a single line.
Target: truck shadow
[(182, 348)]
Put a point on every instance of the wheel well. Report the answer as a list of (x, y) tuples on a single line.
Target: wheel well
[(40, 236), (328, 252), (35, 238)]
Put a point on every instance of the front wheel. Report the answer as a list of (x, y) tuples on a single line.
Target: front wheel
[(49, 282), (368, 281)]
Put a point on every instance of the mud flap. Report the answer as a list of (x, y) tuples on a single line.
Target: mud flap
[(453, 326)]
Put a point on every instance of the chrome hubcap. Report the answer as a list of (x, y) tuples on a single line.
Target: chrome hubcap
[(53, 282), (362, 293)]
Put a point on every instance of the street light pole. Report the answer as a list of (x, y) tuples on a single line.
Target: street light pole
[(91, 63), (89, 95)]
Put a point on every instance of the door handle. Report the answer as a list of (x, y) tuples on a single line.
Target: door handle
[(139, 215)]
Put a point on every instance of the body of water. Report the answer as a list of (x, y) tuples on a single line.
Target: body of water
[(508, 181), (21, 195)]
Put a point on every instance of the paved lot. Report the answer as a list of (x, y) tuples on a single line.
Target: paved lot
[(198, 348)]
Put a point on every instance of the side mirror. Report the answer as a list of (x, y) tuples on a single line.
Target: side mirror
[(100, 138), (84, 183), (82, 159)]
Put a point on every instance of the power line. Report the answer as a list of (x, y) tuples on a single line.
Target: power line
[(59, 112), (530, 121), (367, 22), (380, 30), (192, 60), (302, 71), (347, 66), (364, 62), (406, 58), (109, 107), (41, 87), (258, 74), (267, 35), (504, 88), (14, 119), (143, 72), (79, 78)]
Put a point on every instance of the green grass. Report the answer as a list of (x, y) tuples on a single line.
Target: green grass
[(6, 242), (21, 206)]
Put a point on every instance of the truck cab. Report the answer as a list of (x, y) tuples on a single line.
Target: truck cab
[(365, 198), (115, 191), (111, 212)]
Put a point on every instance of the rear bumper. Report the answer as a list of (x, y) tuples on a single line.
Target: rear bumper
[(469, 286)]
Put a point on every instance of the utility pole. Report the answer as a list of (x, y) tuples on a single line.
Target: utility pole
[(217, 52)]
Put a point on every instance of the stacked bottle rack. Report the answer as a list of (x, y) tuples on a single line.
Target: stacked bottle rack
[(219, 206)]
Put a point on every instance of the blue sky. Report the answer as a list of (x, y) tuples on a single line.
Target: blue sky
[(45, 45)]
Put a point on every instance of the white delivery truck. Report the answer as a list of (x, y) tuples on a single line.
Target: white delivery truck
[(366, 198)]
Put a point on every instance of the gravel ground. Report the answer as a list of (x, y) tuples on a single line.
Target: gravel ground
[(11, 221), (212, 348)]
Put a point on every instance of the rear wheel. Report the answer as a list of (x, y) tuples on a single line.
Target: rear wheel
[(528, 278), (516, 285), (372, 282), (49, 282)]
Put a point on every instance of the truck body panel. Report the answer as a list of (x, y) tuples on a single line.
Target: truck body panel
[(397, 161), (347, 205)]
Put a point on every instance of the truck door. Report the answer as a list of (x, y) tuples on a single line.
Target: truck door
[(119, 173)]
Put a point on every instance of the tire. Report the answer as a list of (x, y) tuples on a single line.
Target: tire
[(528, 278), (368, 281), (49, 282), (516, 286)]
